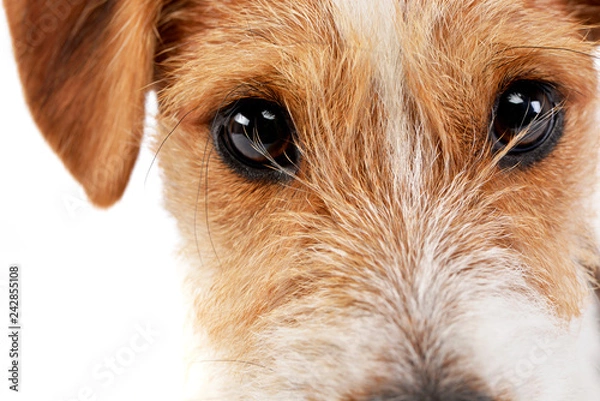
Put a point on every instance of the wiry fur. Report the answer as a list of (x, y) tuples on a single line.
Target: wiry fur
[(400, 262)]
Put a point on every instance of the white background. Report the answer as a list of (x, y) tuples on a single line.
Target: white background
[(92, 280)]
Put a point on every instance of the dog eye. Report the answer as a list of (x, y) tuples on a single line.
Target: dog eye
[(527, 118), (255, 137)]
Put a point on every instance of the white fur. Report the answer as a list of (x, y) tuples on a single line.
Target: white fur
[(476, 307)]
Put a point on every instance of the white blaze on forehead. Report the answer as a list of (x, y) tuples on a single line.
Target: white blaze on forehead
[(372, 31), (369, 22), (389, 38)]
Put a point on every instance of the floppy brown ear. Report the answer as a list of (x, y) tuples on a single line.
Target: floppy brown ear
[(85, 66)]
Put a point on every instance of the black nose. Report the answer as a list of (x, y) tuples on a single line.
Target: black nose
[(453, 393), (446, 397)]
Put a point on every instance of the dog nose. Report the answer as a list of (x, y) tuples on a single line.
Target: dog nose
[(440, 395)]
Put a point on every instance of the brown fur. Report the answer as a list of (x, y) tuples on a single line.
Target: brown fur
[(342, 238), (85, 79)]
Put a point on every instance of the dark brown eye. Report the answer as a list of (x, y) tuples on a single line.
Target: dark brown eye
[(528, 113), (255, 136)]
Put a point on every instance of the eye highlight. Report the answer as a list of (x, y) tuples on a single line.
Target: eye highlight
[(527, 122), (256, 138)]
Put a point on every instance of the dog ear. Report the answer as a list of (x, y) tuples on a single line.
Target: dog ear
[(85, 67)]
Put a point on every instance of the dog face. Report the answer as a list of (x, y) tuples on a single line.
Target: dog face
[(380, 200)]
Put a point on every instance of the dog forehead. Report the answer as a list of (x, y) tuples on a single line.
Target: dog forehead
[(354, 75), (296, 49)]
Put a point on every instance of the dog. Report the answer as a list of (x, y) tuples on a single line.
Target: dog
[(378, 200)]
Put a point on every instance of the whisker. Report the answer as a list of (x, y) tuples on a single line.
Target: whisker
[(206, 220), (163, 144), (204, 163), (566, 49)]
